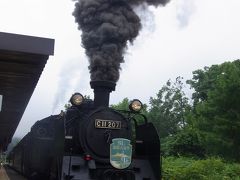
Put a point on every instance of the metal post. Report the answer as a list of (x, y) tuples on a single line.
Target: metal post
[(1, 98)]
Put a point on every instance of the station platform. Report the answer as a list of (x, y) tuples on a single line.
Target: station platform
[(9, 174)]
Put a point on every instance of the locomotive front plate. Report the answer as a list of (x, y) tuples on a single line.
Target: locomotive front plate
[(120, 153), (107, 124)]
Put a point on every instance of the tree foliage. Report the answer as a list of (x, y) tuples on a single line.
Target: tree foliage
[(124, 106), (216, 108), (186, 142), (167, 111), (209, 126)]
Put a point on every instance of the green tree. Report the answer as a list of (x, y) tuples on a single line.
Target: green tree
[(167, 111), (124, 106), (216, 111), (203, 81)]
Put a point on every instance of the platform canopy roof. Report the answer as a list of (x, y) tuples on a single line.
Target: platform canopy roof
[(22, 60)]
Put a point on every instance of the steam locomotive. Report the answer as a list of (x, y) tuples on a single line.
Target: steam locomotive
[(90, 141)]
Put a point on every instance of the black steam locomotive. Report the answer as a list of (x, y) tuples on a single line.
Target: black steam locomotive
[(90, 141)]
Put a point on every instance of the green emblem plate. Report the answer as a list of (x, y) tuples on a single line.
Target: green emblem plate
[(120, 153)]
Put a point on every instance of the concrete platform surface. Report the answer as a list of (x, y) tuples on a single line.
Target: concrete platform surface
[(9, 174)]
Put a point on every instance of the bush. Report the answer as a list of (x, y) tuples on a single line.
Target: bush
[(185, 143), (191, 169)]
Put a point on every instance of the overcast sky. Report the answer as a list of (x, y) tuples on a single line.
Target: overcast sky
[(175, 40)]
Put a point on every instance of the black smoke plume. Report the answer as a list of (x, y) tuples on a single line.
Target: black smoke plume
[(107, 26)]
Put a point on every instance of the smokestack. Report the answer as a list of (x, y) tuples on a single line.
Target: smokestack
[(102, 90)]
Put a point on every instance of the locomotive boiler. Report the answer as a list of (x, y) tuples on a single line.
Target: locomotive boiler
[(91, 141)]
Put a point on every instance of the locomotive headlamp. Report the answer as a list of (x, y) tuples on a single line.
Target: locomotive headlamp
[(76, 99), (135, 105)]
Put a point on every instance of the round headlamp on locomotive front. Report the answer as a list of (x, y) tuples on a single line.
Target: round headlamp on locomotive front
[(135, 105), (76, 99)]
